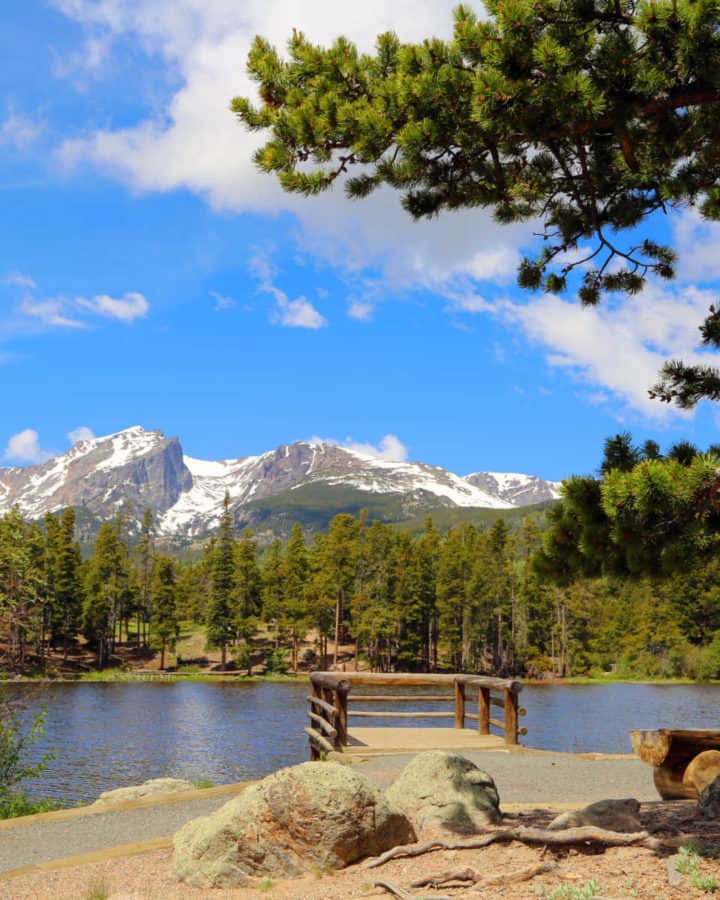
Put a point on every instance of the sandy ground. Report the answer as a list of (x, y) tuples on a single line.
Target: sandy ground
[(619, 874)]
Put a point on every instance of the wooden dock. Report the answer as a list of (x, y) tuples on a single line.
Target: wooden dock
[(333, 702), (364, 741)]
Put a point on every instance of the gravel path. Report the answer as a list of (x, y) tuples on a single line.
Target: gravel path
[(520, 777), (40, 842), (542, 777)]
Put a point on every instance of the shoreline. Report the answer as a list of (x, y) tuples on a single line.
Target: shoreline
[(120, 676)]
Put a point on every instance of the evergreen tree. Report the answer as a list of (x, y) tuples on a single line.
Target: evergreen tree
[(164, 605), (68, 582), (295, 579), (248, 592), (272, 587), (103, 593), (145, 553), (588, 117), (221, 605)]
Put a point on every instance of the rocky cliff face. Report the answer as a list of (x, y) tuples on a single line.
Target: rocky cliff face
[(141, 469), (135, 467)]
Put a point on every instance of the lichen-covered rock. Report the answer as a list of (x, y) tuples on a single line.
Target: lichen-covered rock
[(314, 814), (442, 791), (709, 800), (147, 789), (612, 815)]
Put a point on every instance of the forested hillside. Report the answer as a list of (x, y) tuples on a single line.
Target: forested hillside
[(622, 578)]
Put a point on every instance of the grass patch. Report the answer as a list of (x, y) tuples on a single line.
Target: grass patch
[(16, 805), (99, 889), (570, 891), (202, 783)]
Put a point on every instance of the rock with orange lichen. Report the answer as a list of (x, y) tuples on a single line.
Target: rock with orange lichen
[(296, 820)]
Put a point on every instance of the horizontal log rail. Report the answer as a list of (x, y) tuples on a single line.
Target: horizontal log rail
[(331, 693)]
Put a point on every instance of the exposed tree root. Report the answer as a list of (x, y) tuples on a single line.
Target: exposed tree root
[(405, 895), (567, 838), (471, 876)]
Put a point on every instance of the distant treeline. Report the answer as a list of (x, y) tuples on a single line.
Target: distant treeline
[(625, 579)]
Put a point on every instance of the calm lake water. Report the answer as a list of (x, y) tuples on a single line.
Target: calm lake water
[(111, 735)]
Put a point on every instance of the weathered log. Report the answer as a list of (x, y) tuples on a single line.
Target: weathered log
[(702, 770), (318, 741), (496, 701), (326, 707), (483, 717), (671, 751), (459, 704), (370, 713), (566, 838), (333, 681), (511, 717), (414, 678), (497, 723), (324, 725)]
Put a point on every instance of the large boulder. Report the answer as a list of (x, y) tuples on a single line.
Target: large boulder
[(147, 789), (442, 791), (709, 800), (612, 815), (314, 814)]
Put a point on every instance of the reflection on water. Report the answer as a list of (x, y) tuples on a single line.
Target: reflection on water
[(111, 735)]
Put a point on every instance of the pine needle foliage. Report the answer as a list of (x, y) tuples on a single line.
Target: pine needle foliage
[(586, 116)]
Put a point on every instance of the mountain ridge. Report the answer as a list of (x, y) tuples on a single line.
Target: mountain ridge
[(143, 468)]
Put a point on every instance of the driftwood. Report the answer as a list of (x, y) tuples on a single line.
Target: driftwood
[(472, 877), (566, 838), (405, 895)]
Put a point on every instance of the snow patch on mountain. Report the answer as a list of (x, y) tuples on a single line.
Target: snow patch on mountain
[(145, 469)]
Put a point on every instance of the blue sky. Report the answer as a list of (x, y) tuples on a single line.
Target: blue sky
[(149, 275)]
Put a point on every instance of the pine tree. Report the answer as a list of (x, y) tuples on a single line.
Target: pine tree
[(248, 592), (272, 587), (164, 605), (221, 606), (295, 578), (103, 592), (68, 583), (591, 118), (145, 552)]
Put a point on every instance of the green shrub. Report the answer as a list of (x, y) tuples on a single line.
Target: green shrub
[(12, 806)]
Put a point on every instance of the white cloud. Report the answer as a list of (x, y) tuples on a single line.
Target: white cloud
[(50, 312), (696, 242), (360, 311), (18, 130), (618, 347), (195, 143), (127, 308), (81, 433), (20, 280), (24, 447), (298, 313), (222, 302), (31, 311), (390, 448)]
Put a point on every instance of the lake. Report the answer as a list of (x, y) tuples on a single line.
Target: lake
[(117, 734)]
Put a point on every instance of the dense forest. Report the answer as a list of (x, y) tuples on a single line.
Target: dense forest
[(625, 579)]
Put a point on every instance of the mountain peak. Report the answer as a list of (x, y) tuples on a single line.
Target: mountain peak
[(138, 468)]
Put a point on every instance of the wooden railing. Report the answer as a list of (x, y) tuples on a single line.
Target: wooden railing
[(331, 692)]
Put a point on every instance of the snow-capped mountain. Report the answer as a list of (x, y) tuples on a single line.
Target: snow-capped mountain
[(145, 469), (516, 489)]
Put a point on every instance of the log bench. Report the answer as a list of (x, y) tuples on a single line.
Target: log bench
[(685, 760)]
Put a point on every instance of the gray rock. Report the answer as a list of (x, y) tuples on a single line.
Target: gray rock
[(612, 815), (709, 800), (147, 789), (314, 814), (442, 791)]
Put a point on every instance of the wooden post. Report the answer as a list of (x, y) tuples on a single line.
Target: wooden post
[(484, 710), (459, 704), (317, 693), (341, 705), (511, 716)]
